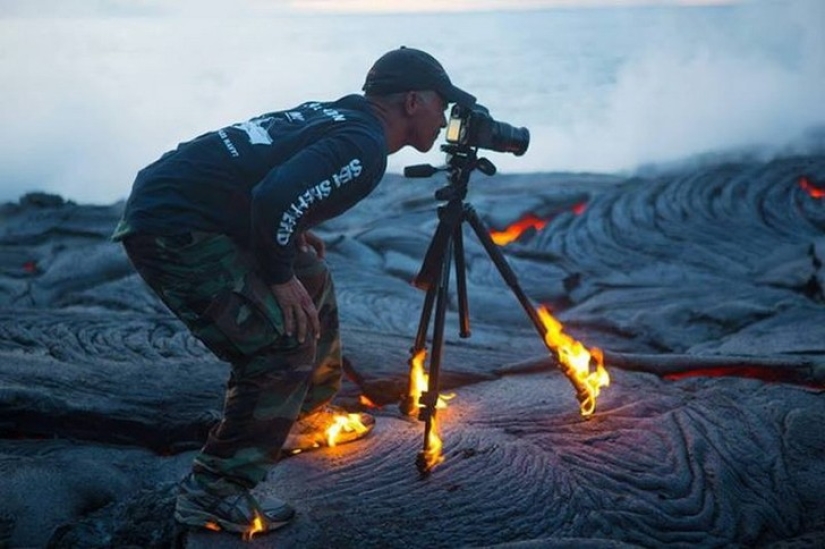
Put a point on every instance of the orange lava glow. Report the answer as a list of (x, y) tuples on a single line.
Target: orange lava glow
[(584, 368), (364, 401), (810, 188), (514, 231), (762, 373), (529, 221)]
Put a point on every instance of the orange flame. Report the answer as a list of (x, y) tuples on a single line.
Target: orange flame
[(256, 527), (576, 361), (343, 424), (515, 230), (810, 188), (418, 379), (365, 401), (432, 456), (419, 382)]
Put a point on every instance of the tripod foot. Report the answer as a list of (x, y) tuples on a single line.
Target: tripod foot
[(423, 465)]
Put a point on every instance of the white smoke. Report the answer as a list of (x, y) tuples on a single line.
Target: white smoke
[(689, 93), (86, 102)]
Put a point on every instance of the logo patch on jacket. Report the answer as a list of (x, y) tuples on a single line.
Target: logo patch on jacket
[(256, 131)]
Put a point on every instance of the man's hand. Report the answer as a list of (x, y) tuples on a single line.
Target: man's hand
[(299, 311), (307, 239)]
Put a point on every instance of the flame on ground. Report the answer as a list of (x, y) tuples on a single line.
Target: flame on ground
[(576, 360), (256, 527), (343, 424)]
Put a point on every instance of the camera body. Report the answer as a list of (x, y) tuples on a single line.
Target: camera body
[(474, 127)]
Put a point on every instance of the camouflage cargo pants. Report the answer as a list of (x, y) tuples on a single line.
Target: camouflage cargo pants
[(213, 286)]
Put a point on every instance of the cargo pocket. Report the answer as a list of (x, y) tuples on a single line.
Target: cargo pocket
[(248, 318)]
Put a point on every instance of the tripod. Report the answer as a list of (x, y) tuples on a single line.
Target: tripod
[(446, 248)]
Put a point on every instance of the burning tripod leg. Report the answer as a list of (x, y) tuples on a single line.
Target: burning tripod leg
[(434, 277), (447, 244), (423, 402), (584, 369)]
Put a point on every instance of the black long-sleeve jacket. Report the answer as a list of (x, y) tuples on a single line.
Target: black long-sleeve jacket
[(263, 180)]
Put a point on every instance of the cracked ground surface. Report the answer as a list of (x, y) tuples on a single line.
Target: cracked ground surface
[(705, 284)]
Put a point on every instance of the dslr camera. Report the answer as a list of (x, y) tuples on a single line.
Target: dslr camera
[(474, 127)]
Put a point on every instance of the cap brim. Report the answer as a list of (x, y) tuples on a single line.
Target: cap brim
[(459, 96)]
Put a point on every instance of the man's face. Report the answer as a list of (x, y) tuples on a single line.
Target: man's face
[(428, 118)]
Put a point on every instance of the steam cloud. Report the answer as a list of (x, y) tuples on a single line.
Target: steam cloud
[(88, 101)]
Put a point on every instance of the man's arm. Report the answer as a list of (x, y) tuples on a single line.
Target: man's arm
[(318, 183)]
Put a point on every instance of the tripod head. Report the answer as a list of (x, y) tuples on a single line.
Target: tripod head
[(462, 160)]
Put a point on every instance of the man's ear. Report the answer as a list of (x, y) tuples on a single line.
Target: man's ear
[(411, 103)]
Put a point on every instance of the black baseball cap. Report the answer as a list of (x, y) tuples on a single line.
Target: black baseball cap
[(408, 69)]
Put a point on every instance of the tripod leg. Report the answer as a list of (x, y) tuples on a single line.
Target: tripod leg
[(586, 383), (503, 267), (428, 279), (409, 404), (449, 217), (461, 283), (431, 454), (424, 321)]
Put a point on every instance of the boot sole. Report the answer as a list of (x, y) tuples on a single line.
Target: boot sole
[(197, 518)]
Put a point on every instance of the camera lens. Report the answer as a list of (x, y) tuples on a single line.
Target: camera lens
[(506, 138)]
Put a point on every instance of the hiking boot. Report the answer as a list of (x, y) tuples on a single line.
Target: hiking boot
[(328, 426), (237, 511)]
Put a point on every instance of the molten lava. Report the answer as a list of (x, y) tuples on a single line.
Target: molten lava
[(810, 188), (584, 368), (579, 208), (529, 221), (514, 231)]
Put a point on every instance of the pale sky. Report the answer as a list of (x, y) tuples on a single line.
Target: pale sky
[(84, 8), (395, 6)]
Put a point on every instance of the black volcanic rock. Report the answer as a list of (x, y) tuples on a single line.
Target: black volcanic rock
[(704, 286)]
